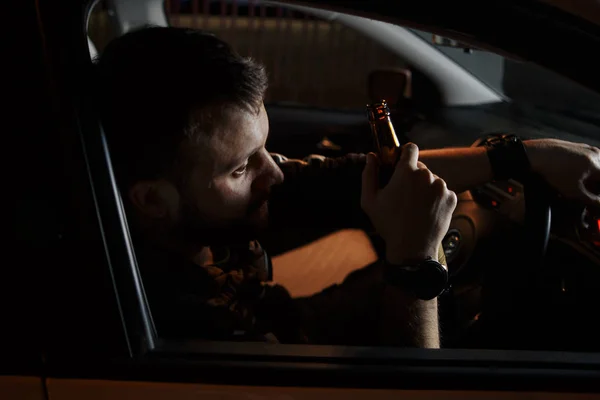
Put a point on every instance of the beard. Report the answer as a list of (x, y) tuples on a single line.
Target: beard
[(194, 227)]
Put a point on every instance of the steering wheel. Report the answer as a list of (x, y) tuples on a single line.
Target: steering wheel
[(520, 280), (538, 216)]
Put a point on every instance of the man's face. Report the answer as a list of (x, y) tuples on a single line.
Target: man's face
[(228, 182)]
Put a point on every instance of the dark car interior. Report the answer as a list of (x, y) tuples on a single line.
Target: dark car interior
[(523, 261), (503, 296)]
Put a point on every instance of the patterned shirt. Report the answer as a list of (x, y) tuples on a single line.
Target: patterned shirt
[(233, 299)]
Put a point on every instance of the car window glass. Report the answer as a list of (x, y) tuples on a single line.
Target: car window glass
[(315, 65), (100, 28), (301, 52), (522, 82)]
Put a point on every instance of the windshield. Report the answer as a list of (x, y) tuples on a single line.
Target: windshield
[(522, 82)]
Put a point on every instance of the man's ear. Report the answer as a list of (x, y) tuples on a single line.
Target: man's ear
[(154, 199)]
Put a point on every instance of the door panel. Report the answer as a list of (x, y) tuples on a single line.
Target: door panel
[(21, 387), (67, 389)]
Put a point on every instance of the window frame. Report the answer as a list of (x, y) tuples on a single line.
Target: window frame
[(149, 358)]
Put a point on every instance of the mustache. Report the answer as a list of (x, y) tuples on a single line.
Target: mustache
[(258, 202)]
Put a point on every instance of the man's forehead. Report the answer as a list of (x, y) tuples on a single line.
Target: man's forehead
[(239, 133)]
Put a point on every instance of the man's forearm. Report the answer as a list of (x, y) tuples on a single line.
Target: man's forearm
[(362, 310), (461, 168), (407, 320), (466, 167), (416, 320), (429, 331)]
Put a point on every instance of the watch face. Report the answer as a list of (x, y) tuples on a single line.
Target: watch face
[(431, 281), (426, 280)]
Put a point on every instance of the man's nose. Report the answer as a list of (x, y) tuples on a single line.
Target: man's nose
[(270, 173), (273, 170)]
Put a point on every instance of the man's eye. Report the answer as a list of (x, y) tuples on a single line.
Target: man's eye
[(240, 171)]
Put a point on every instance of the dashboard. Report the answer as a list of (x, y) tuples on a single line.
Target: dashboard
[(504, 196)]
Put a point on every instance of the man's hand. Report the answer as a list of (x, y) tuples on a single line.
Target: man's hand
[(412, 212), (570, 168)]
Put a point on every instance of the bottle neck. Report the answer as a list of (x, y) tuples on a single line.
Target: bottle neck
[(386, 140)]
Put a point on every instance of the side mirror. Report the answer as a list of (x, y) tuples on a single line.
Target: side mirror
[(392, 85)]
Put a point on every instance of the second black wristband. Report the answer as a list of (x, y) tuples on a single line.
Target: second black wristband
[(508, 157)]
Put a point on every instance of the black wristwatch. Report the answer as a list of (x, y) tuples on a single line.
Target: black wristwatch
[(508, 156), (426, 279)]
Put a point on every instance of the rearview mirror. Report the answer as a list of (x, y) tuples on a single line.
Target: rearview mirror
[(447, 42), (392, 85)]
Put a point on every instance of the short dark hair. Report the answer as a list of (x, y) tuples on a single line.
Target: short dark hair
[(157, 86)]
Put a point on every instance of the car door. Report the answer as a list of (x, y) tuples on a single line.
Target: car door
[(22, 319), (96, 335)]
